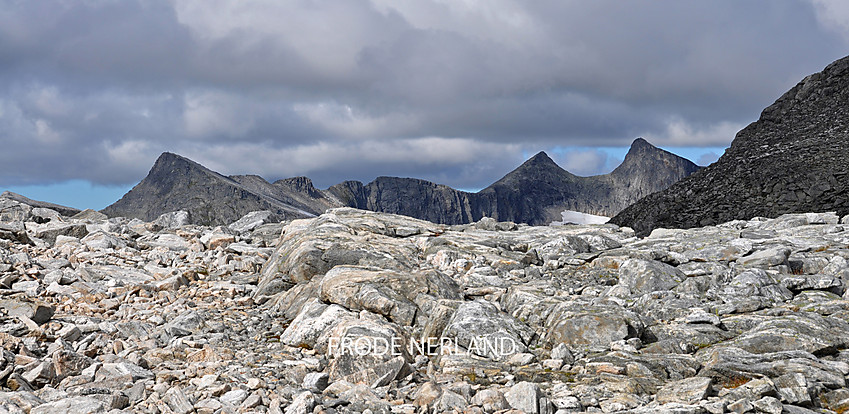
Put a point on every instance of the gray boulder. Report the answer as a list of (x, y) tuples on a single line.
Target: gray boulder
[(252, 220), (646, 276), (485, 331)]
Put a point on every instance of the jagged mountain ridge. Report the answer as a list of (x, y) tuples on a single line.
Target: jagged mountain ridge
[(535, 193), (792, 159)]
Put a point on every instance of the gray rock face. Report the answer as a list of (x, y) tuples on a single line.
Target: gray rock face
[(173, 220), (792, 160), (535, 193), (251, 221), (686, 391), (481, 328)]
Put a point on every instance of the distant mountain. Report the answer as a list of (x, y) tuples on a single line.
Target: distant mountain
[(535, 193), (178, 183), (793, 159), (539, 190)]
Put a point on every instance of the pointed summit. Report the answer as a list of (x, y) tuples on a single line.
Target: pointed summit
[(640, 142), (539, 168), (536, 192), (646, 159), (541, 158)]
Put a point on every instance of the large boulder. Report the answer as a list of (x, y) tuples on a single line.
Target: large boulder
[(485, 331), (366, 351), (389, 293), (646, 276)]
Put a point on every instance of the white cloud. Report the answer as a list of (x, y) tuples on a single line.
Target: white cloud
[(583, 162), (45, 134), (354, 89), (707, 158), (462, 161), (680, 133), (212, 114), (834, 15), (344, 121), (328, 36), (134, 154)]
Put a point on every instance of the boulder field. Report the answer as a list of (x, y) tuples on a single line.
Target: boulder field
[(356, 311)]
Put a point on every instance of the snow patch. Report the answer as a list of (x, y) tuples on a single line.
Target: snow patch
[(576, 217)]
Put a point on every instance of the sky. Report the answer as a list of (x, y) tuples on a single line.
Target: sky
[(454, 91)]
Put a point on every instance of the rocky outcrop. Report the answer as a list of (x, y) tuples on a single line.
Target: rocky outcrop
[(792, 160), (535, 193)]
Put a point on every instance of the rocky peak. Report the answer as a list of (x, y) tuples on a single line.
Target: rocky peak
[(299, 184), (171, 169), (643, 156), (536, 170), (644, 163), (178, 183), (541, 159)]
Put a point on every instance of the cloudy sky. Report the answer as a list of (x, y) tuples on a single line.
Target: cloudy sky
[(454, 91)]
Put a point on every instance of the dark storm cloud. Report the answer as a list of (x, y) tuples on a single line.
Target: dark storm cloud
[(454, 92)]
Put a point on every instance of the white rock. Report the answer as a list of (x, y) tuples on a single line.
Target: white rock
[(234, 397), (524, 396), (72, 405)]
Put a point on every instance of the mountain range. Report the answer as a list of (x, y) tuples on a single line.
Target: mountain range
[(793, 159), (534, 193)]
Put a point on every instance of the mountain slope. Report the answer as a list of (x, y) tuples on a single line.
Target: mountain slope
[(792, 159)]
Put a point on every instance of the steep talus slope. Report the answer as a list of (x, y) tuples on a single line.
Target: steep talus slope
[(296, 192), (793, 159)]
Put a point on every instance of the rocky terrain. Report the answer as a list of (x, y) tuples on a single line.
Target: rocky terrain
[(534, 193), (792, 160), (105, 314)]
